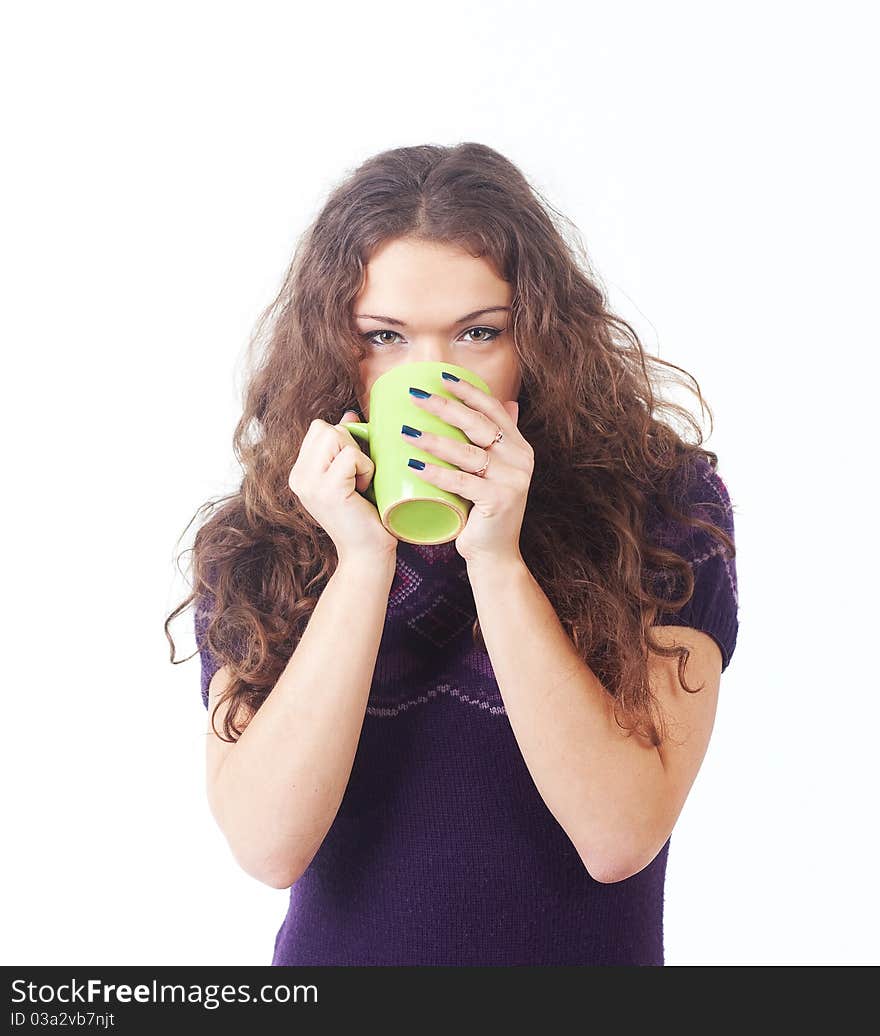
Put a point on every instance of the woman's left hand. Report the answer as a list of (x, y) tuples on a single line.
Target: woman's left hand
[(499, 496)]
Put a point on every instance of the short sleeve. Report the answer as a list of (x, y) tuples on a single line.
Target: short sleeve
[(714, 606), (210, 662)]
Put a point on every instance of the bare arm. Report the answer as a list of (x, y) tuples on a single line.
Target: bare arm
[(616, 796), (276, 791)]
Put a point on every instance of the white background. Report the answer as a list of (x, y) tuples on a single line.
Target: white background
[(161, 160)]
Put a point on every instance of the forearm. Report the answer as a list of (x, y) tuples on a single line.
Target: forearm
[(280, 786), (606, 790)]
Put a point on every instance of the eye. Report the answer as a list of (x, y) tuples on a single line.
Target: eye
[(370, 335), (492, 332)]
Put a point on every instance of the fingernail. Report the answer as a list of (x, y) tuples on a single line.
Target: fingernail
[(405, 428), (413, 463), (450, 377), (419, 392)]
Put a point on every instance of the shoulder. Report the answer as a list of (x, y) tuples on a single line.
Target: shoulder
[(203, 614), (700, 492), (713, 607), (209, 661)]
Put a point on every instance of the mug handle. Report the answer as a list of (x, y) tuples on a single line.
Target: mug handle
[(361, 430)]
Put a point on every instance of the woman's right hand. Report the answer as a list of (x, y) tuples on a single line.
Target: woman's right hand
[(329, 475)]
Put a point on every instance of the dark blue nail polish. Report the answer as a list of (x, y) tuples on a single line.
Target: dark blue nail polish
[(413, 463), (450, 377), (407, 430), (419, 392)]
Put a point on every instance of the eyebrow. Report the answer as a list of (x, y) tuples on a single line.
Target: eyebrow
[(461, 320)]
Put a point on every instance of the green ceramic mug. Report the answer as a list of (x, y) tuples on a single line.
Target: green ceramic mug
[(411, 508)]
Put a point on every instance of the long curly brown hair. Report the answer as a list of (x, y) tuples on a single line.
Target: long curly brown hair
[(603, 455)]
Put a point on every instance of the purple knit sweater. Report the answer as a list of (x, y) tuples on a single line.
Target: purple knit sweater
[(443, 852)]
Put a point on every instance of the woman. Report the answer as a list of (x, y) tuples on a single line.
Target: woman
[(471, 753)]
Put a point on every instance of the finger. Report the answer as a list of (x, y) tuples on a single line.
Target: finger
[(319, 447), (333, 438), (349, 417), (464, 455), (488, 405), (472, 487), (365, 472), (476, 426), (351, 468)]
